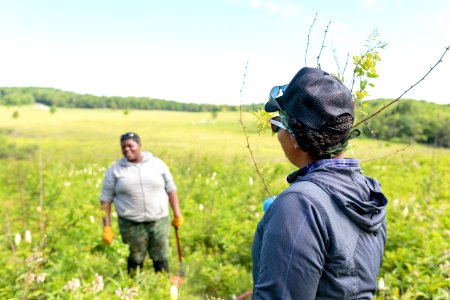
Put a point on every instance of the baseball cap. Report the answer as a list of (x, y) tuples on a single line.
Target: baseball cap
[(314, 97)]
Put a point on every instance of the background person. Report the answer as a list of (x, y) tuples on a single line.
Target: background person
[(323, 237), (140, 185)]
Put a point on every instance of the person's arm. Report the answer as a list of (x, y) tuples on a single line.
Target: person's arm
[(178, 219), (173, 199), (291, 250), (106, 206), (106, 198)]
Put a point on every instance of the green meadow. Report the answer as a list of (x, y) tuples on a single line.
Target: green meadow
[(51, 171)]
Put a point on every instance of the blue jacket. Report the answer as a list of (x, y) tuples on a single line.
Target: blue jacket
[(322, 238)]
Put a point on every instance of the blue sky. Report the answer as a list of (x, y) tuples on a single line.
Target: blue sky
[(196, 51)]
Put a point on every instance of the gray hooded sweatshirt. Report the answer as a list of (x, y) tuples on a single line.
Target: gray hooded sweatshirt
[(139, 191), (322, 238)]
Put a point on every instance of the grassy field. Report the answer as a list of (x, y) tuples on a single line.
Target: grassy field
[(221, 196)]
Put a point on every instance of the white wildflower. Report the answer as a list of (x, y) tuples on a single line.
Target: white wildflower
[(17, 239), (38, 209), (395, 202), (99, 182), (72, 285), (257, 215), (383, 168), (127, 294), (405, 212), (91, 219), (173, 292), (66, 183), (381, 285), (250, 180), (28, 236), (41, 278), (97, 283), (201, 207), (31, 277), (114, 214), (445, 266), (35, 258), (213, 176)]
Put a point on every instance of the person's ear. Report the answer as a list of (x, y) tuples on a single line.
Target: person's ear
[(296, 146)]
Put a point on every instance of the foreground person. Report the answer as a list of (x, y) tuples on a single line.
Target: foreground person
[(323, 237), (140, 185)]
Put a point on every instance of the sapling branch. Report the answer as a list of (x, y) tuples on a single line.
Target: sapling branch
[(410, 88), (41, 192), (241, 121), (309, 33), (8, 233), (387, 155), (323, 44)]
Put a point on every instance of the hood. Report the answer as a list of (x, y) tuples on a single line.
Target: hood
[(358, 196), (146, 156)]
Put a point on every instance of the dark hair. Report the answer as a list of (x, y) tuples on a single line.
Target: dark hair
[(130, 136), (318, 142)]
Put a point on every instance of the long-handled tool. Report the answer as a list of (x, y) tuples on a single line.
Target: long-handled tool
[(180, 257), (177, 280)]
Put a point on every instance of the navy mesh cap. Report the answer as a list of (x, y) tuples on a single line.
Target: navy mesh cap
[(314, 97)]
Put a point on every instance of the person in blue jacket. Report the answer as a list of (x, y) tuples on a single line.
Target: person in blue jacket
[(323, 237)]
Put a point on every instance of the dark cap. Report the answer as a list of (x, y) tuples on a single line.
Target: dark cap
[(314, 97), (130, 136)]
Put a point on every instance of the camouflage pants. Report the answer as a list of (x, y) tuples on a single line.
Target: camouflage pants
[(143, 237)]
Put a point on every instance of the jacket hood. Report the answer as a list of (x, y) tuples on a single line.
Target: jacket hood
[(358, 196), (146, 156)]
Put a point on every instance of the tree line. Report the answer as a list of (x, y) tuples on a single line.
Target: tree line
[(406, 121), (59, 98), (409, 121)]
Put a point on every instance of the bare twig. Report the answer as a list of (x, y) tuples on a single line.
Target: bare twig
[(41, 192), (336, 60), (346, 63), (34, 264), (22, 198), (9, 234), (309, 33), (410, 88), (387, 155), (241, 120), (323, 44)]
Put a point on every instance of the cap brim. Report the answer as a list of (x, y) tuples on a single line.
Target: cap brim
[(269, 107)]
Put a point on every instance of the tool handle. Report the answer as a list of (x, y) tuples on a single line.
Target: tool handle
[(180, 257)]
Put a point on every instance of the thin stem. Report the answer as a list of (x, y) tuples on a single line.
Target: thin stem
[(41, 192), (387, 155), (241, 121), (323, 45), (336, 60), (309, 33), (410, 88), (9, 234)]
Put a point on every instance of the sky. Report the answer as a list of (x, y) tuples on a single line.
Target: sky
[(201, 51)]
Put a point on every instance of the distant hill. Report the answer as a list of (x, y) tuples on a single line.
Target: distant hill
[(59, 98), (409, 120)]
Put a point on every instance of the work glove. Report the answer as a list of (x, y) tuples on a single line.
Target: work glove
[(177, 222), (108, 235)]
